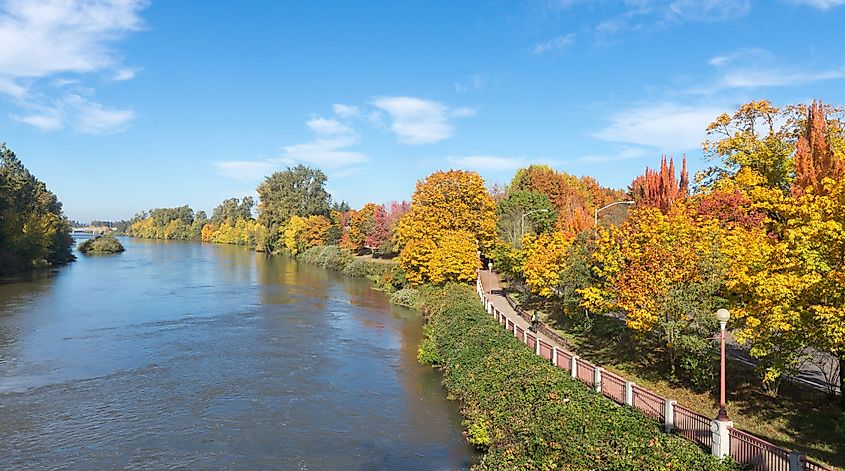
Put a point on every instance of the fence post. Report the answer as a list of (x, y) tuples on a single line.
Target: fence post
[(669, 414), (536, 344), (573, 366), (525, 336), (721, 438), (554, 355), (794, 461), (597, 378), (629, 393)]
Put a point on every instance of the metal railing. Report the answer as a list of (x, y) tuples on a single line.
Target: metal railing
[(613, 386), (693, 426), (760, 454), (651, 404)]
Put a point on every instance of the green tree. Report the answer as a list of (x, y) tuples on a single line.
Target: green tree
[(298, 191), (540, 215)]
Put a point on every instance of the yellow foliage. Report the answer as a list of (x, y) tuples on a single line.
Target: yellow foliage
[(543, 261)]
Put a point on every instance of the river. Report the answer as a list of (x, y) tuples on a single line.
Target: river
[(198, 356)]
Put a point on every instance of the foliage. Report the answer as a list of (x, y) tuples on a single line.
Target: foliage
[(577, 273), (528, 414), (33, 230), (665, 271), (661, 189), (330, 257), (544, 259), (298, 191), (367, 268), (815, 158), (408, 297), (167, 223), (451, 218), (103, 244), (233, 209), (532, 207)]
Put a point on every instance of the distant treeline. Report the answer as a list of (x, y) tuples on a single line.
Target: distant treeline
[(33, 230), (295, 213)]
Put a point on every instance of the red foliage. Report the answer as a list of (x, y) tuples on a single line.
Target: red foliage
[(661, 189), (730, 206), (378, 232), (814, 157)]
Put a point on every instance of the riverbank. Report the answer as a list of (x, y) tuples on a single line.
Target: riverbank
[(521, 412)]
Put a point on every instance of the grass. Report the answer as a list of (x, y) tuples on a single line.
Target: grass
[(799, 418)]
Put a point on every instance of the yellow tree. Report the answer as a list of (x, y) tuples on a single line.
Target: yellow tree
[(290, 234), (314, 231), (449, 210), (544, 260)]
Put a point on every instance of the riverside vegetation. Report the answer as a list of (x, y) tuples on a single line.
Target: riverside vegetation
[(104, 244), (759, 232)]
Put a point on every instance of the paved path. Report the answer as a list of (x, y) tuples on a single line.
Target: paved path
[(490, 281)]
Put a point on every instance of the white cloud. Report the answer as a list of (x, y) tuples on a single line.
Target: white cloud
[(819, 4), (488, 162), (330, 153), (554, 45), (9, 87), (666, 126), (417, 121), (124, 74), (327, 126), (44, 37), (345, 111), (757, 68), (246, 170), (707, 10), (80, 114)]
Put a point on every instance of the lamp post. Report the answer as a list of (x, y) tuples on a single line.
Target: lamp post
[(722, 315), (522, 233), (596, 214)]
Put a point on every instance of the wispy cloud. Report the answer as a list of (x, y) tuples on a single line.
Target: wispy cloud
[(667, 126), (345, 111), (759, 68), (50, 37), (819, 4), (246, 170), (122, 75), (471, 83), (557, 44), (80, 114), (418, 121), (488, 162)]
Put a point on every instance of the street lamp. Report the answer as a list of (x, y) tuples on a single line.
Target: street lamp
[(596, 214), (522, 234), (722, 315)]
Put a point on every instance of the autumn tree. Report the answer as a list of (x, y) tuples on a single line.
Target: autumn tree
[(665, 271), (450, 212), (298, 191), (815, 158), (661, 189), (544, 260), (379, 235)]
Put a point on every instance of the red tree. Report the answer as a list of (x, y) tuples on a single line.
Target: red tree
[(814, 157), (661, 189)]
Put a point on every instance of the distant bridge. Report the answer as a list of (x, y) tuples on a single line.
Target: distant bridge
[(93, 230)]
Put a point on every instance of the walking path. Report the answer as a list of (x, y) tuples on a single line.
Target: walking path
[(491, 286)]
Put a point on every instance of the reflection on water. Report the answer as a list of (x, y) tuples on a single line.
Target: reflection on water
[(204, 356)]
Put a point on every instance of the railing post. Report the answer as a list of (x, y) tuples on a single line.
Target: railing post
[(794, 461), (721, 437), (554, 355), (597, 378), (629, 393), (573, 366), (525, 336), (669, 414), (536, 344)]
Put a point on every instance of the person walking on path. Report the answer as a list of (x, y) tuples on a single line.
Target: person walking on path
[(535, 321)]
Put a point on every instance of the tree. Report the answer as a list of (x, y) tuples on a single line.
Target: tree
[(544, 260), (449, 210), (314, 231), (665, 271), (661, 189), (298, 191), (233, 209), (815, 158), (378, 238), (539, 215), (759, 137), (360, 226)]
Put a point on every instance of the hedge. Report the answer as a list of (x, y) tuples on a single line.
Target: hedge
[(528, 415)]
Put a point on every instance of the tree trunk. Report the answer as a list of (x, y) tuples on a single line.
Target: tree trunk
[(842, 381)]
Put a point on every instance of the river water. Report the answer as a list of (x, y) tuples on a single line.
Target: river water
[(185, 355)]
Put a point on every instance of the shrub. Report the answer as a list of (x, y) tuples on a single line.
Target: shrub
[(366, 268), (529, 414), (330, 257), (104, 244), (408, 297)]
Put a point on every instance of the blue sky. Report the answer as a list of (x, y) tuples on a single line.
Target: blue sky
[(124, 105)]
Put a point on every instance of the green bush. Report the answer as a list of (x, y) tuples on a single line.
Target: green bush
[(408, 297), (528, 414), (330, 257), (367, 268), (103, 244)]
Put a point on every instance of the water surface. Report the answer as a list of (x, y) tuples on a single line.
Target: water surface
[(183, 355)]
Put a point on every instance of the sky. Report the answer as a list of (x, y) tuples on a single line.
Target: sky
[(125, 105)]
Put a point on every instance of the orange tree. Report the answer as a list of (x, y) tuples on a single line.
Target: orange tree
[(450, 212), (665, 272)]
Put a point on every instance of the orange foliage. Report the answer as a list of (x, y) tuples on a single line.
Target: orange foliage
[(814, 157), (661, 189)]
